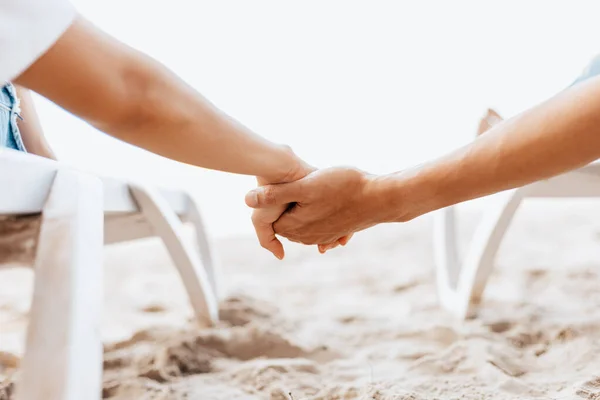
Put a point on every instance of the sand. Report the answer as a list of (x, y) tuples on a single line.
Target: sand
[(361, 322)]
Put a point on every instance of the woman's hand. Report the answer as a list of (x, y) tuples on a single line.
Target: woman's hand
[(264, 218)]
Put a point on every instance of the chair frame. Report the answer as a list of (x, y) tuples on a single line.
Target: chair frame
[(460, 285), (80, 213)]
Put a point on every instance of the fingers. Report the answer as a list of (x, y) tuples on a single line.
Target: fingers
[(273, 244), (274, 195), (323, 248), (344, 240), (341, 241), (266, 235)]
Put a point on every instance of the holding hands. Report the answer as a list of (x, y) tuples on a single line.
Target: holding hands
[(263, 218), (323, 207)]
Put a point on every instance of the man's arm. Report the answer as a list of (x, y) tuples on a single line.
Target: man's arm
[(558, 135), (134, 98), (30, 127), (554, 137)]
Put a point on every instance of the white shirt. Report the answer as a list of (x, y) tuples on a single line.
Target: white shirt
[(28, 28)]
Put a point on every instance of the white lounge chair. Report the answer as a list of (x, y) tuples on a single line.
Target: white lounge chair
[(460, 285), (76, 214)]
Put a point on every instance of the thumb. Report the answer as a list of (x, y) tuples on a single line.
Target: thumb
[(274, 195)]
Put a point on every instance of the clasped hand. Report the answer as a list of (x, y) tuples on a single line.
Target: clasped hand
[(323, 207)]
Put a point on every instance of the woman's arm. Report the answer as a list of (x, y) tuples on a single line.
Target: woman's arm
[(558, 135), (134, 98), (30, 127)]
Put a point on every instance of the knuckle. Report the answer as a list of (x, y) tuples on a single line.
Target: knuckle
[(255, 218), (264, 241), (269, 197), (259, 220), (281, 228)]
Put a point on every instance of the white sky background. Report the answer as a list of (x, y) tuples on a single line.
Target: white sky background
[(377, 84)]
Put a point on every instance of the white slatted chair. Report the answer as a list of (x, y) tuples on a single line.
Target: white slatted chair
[(77, 214), (460, 285)]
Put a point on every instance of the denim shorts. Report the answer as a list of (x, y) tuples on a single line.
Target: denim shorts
[(9, 113)]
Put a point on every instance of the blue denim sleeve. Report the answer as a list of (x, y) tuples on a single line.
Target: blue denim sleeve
[(592, 69), (10, 136), (5, 107)]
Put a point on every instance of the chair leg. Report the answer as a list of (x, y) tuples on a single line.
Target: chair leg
[(204, 248), (169, 228), (445, 250), (63, 357), (460, 289)]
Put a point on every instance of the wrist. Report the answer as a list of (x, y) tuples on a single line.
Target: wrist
[(402, 196), (286, 167)]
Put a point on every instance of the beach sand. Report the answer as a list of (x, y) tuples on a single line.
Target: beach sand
[(360, 322)]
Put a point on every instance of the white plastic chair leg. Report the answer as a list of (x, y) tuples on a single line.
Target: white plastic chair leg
[(169, 227), (204, 247), (63, 357), (460, 288)]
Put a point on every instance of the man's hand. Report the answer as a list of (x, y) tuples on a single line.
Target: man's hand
[(330, 204)]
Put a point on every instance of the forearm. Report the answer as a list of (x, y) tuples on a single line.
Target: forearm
[(30, 127), (557, 136), (171, 119), (132, 97)]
